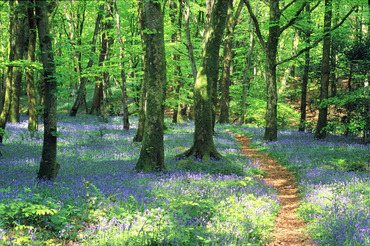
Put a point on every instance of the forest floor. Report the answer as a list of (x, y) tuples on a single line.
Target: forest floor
[(289, 230)]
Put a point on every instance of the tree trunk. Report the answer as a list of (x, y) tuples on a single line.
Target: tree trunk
[(271, 51), (126, 123), (349, 105), (9, 74), (6, 106), (177, 74), (49, 166), (333, 64), (143, 90), (188, 40), (225, 80), (18, 35), (247, 76), (213, 62), (203, 146), (306, 70), (152, 151), (325, 73), (99, 98), (2, 70), (31, 92)]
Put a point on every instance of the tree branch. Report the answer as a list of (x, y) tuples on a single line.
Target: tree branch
[(318, 40), (291, 22), (237, 13), (256, 24), (288, 5), (314, 7)]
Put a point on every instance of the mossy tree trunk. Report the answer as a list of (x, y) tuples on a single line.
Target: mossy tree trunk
[(49, 166), (215, 28), (8, 77), (100, 99), (270, 47), (271, 52), (152, 150), (19, 47), (6, 106), (31, 92), (306, 70), (322, 122), (176, 21), (203, 146), (125, 118), (247, 75), (143, 87), (225, 80), (189, 43)]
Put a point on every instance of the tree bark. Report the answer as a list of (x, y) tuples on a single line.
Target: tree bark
[(143, 88), (218, 24), (31, 92), (99, 98), (152, 151), (333, 62), (325, 74), (9, 74), (18, 35), (271, 52), (177, 74), (49, 166), (306, 70), (6, 106), (247, 76), (203, 146), (270, 48), (125, 119), (188, 40), (2, 70), (225, 80)]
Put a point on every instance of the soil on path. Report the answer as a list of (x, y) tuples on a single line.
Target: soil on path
[(289, 230)]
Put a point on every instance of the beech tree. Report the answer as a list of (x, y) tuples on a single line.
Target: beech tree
[(19, 47), (152, 150), (100, 97), (30, 81), (203, 145), (13, 73), (225, 80), (49, 166), (320, 132), (143, 87), (271, 49), (114, 12)]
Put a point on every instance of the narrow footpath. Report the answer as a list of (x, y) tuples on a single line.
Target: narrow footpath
[(289, 229)]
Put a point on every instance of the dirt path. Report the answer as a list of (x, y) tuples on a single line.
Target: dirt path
[(289, 229)]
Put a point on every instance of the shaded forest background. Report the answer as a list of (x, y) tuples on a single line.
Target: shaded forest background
[(300, 64)]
